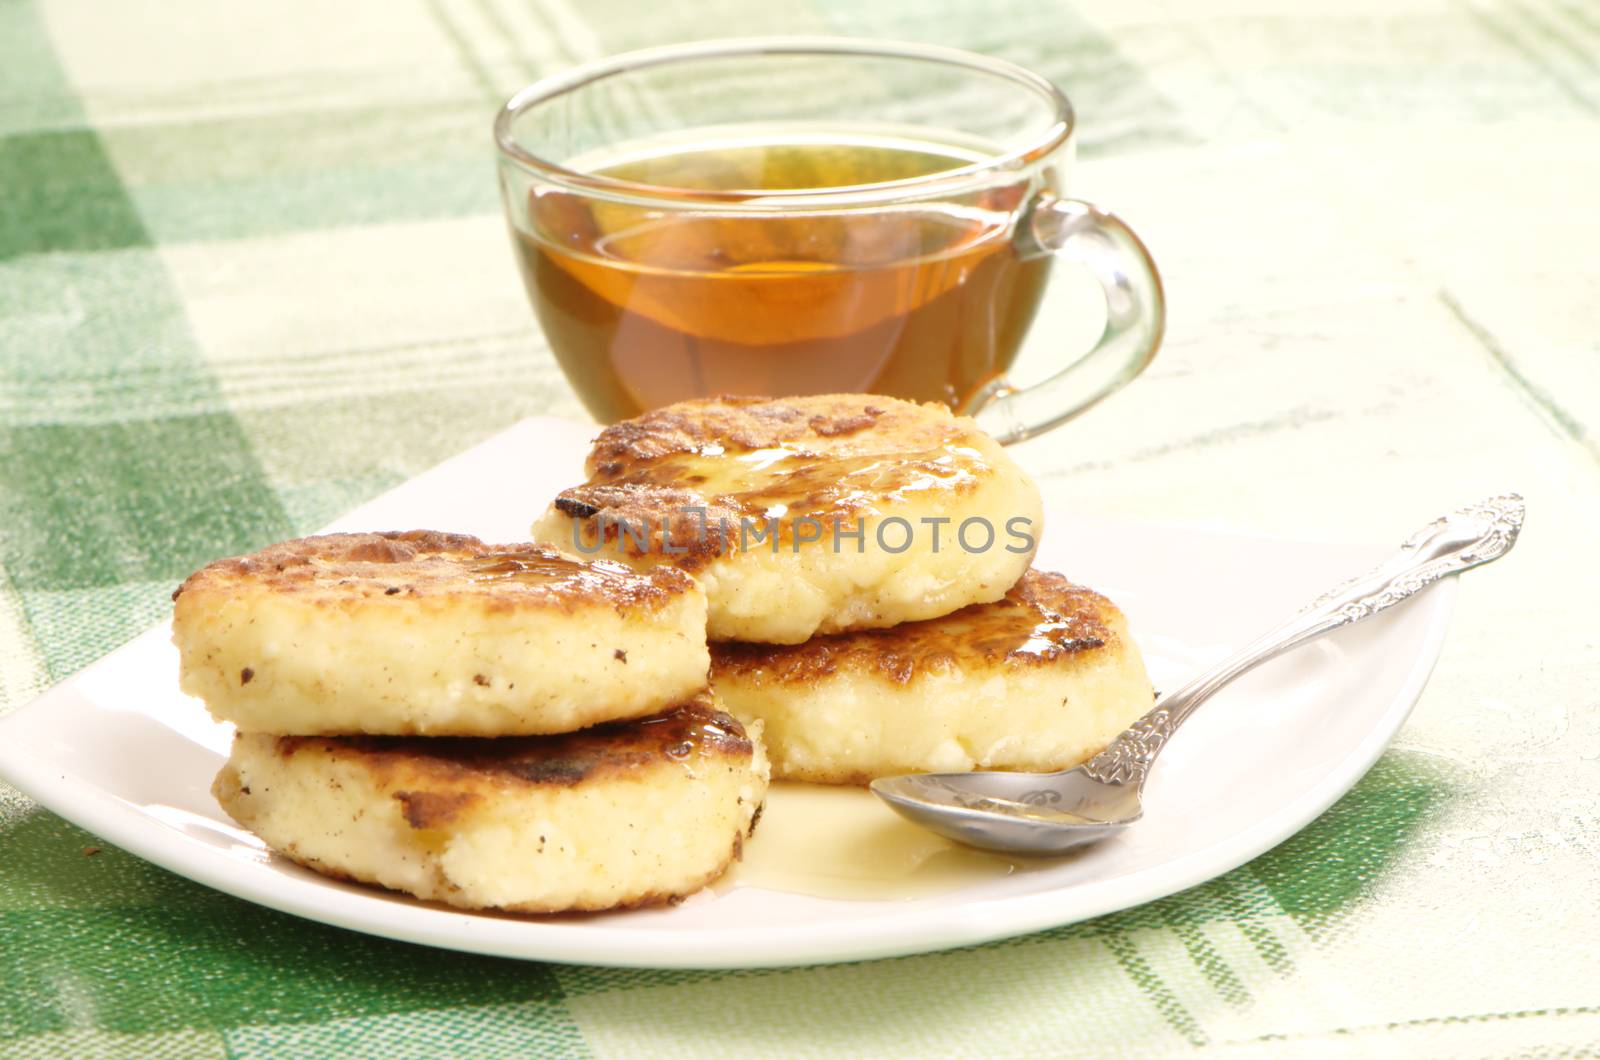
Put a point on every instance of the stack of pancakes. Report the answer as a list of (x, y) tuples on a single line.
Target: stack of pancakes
[(486, 726), (866, 563), (540, 727)]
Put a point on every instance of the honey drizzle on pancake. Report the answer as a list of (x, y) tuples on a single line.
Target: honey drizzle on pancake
[(1043, 619), (693, 506), (532, 568), (708, 469), (503, 566), (787, 482)]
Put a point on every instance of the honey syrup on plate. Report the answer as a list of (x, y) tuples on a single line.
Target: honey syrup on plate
[(841, 842)]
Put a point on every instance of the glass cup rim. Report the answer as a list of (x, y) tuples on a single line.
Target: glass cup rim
[(951, 181)]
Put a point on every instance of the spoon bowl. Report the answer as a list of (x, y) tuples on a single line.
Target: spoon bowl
[(1013, 813)]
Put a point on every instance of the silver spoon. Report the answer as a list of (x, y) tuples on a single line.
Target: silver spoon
[(1050, 813)]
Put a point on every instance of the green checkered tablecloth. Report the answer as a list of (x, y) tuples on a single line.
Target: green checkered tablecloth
[(252, 272)]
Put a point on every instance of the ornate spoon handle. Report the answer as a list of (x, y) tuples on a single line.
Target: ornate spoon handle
[(1449, 545)]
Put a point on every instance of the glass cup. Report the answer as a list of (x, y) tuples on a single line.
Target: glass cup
[(791, 216)]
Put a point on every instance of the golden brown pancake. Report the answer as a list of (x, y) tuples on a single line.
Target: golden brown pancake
[(432, 633), (623, 814), (809, 514), (1039, 680)]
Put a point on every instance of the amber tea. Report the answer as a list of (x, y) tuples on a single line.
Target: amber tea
[(922, 299)]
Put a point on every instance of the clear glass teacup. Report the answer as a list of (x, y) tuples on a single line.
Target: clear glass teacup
[(793, 216)]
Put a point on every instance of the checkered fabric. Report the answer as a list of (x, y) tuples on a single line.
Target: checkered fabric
[(252, 272)]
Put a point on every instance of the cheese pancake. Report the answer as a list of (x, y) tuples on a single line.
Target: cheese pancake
[(807, 515), (425, 633), (625, 814), (1038, 681)]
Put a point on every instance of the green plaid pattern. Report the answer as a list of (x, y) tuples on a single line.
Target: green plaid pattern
[(252, 272)]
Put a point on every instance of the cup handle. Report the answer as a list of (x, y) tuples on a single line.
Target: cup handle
[(1136, 316)]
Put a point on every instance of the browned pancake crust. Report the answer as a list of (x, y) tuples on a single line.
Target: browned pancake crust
[(437, 777), (1043, 619), (840, 454), (824, 423), (420, 564)]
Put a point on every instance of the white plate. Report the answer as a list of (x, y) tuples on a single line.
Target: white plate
[(120, 752)]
